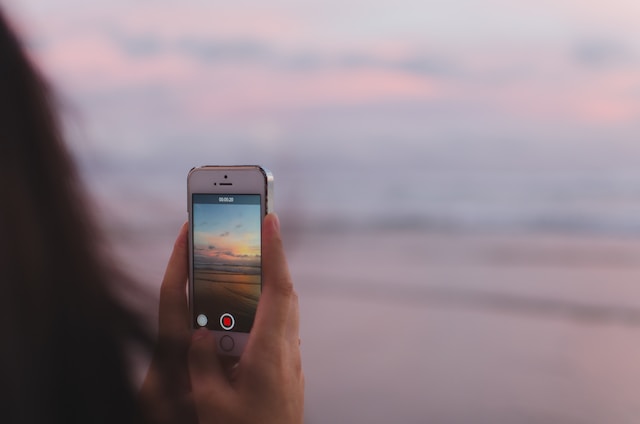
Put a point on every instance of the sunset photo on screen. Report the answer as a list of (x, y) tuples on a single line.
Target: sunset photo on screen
[(227, 276)]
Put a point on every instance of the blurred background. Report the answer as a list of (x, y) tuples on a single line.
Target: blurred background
[(458, 181)]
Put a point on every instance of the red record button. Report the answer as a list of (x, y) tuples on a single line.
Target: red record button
[(227, 321)]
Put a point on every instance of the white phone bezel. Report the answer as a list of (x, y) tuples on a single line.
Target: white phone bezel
[(249, 179)]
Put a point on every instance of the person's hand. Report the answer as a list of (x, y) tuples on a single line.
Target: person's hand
[(267, 384), (165, 395)]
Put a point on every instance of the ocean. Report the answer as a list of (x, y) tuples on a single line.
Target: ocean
[(380, 194)]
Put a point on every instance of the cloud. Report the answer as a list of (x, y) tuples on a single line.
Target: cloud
[(601, 53), (207, 50), (216, 50), (417, 63), (142, 46)]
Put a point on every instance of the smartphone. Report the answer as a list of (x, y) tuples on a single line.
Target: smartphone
[(226, 207)]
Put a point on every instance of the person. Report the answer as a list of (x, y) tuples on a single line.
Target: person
[(67, 335)]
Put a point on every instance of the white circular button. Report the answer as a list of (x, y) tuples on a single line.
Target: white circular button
[(202, 320)]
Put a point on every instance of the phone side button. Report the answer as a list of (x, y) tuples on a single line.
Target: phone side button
[(226, 343)]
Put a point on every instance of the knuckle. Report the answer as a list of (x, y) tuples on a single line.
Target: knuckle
[(284, 287), (297, 367)]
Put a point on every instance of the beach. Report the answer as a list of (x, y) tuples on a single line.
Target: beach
[(423, 327), (458, 184), (226, 292)]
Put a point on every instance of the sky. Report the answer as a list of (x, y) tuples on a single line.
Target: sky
[(456, 86), (257, 71), (227, 234)]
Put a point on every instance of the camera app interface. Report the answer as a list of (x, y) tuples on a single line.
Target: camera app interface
[(226, 256)]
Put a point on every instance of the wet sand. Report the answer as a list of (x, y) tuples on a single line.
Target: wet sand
[(218, 293), (428, 328), (424, 328)]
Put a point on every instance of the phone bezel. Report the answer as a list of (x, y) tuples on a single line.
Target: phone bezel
[(242, 179)]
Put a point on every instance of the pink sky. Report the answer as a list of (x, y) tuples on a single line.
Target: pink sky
[(540, 63)]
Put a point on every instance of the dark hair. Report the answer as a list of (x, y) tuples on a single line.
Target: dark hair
[(65, 334)]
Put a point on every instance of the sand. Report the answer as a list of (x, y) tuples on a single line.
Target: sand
[(448, 328)]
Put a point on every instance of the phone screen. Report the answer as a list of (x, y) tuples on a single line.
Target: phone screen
[(226, 260)]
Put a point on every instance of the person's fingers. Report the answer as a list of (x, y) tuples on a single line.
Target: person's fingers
[(293, 323), (174, 316), (167, 379), (274, 308), (209, 386)]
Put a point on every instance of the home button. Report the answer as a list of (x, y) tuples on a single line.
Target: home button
[(227, 343)]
